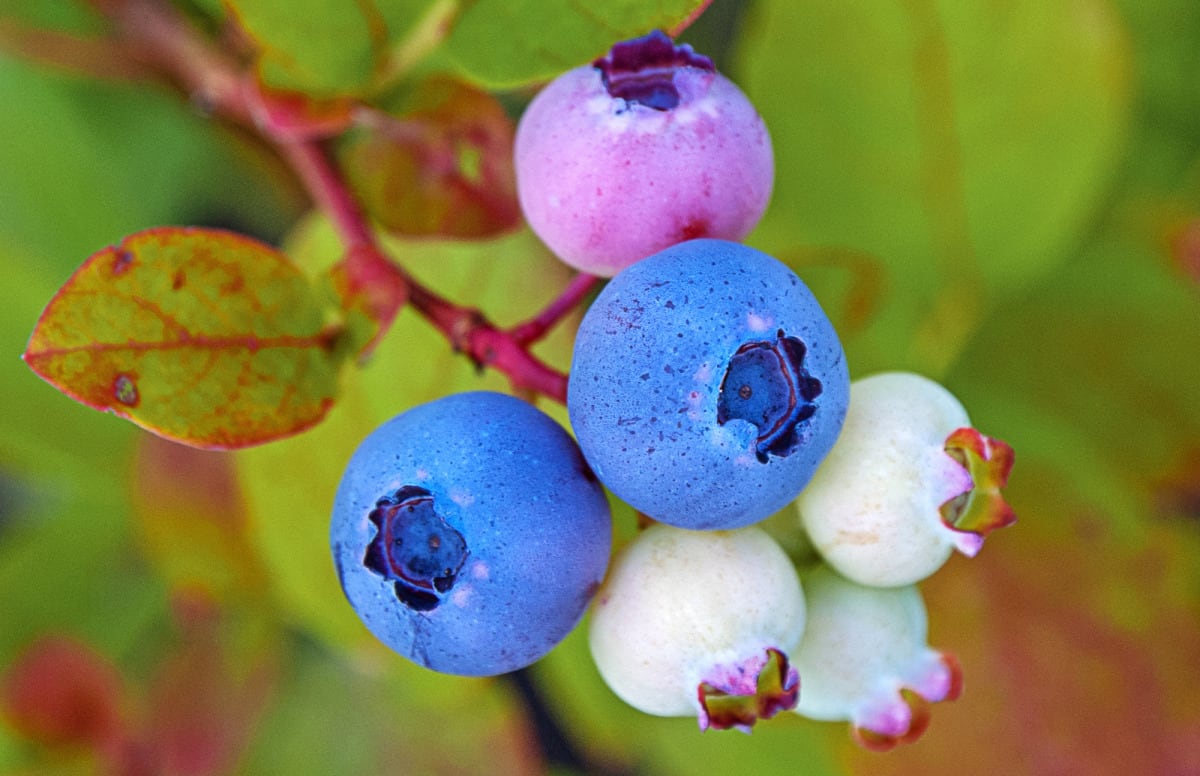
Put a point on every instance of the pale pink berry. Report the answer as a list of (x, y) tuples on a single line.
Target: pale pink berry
[(647, 147)]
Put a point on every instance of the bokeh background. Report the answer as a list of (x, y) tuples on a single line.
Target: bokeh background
[(1003, 196)]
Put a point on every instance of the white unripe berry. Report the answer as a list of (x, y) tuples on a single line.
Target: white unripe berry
[(864, 659), (906, 483), (684, 610)]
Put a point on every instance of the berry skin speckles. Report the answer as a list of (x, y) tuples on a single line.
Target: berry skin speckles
[(707, 385), (469, 534), (647, 147)]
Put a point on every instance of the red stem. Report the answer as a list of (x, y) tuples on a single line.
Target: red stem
[(220, 84), (537, 327), (207, 74), (320, 177)]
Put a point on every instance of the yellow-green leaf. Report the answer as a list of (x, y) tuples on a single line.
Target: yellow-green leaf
[(201, 336), (506, 43), (314, 45)]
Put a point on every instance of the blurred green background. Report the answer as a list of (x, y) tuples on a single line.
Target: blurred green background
[(1003, 196)]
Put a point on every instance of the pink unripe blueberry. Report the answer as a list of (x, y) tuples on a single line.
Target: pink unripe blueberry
[(647, 147)]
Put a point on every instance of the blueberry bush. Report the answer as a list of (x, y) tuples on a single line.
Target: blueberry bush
[(519, 387)]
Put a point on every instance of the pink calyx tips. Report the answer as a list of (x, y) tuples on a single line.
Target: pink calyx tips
[(981, 509), (758, 688), (907, 718), (642, 70)]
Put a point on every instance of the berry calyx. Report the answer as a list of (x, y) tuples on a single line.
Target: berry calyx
[(766, 385), (414, 547), (752, 693), (642, 70), (975, 513)]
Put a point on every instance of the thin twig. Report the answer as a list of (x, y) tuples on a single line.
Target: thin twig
[(223, 85), (537, 327)]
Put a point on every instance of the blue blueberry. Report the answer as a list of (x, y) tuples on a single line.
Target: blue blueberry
[(469, 533), (707, 385)]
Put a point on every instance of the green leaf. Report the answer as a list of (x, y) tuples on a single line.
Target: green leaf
[(54, 14), (508, 43), (201, 336), (390, 716), (316, 46), (966, 144), (88, 159), (80, 538)]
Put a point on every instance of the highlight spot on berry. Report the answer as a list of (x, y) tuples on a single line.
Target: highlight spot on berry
[(415, 547), (642, 70), (766, 385)]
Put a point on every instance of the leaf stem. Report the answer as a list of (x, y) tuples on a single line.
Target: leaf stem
[(209, 76), (316, 170), (375, 283)]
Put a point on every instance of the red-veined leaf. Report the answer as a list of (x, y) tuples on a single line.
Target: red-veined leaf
[(442, 167), (199, 335)]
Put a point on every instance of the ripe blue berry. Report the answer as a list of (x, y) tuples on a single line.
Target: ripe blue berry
[(469, 533), (647, 147), (707, 384)]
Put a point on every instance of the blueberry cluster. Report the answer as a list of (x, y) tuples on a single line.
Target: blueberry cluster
[(708, 390)]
